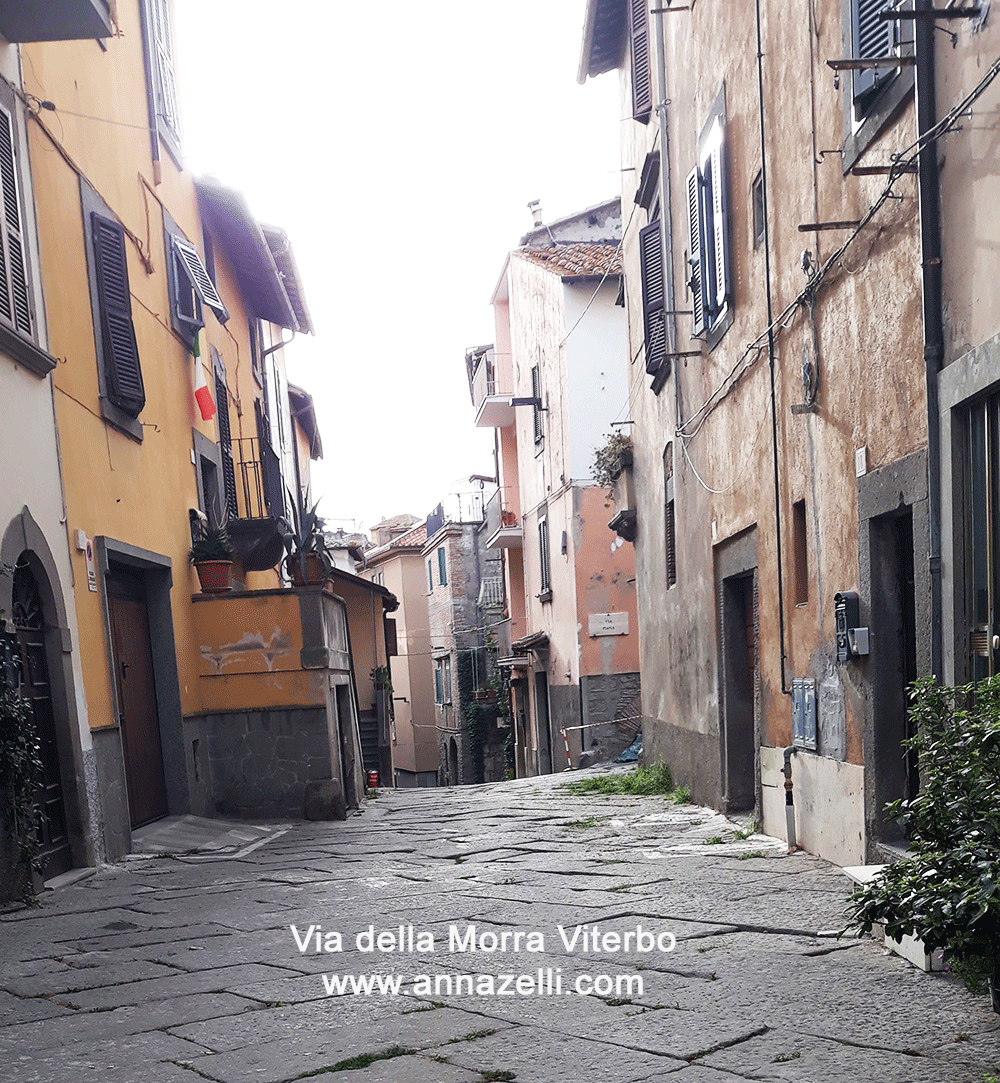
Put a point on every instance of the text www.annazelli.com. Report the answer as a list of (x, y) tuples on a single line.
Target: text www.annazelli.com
[(546, 981)]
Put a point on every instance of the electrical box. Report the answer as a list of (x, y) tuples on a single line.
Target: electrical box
[(804, 713), (847, 611), (858, 642)]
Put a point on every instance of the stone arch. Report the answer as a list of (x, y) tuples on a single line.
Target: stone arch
[(25, 542)]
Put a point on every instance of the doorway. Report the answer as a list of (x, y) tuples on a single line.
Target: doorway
[(542, 722), (893, 611), (49, 801), (740, 650), (132, 664)]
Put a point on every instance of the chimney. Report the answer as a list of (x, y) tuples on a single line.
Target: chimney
[(535, 206)]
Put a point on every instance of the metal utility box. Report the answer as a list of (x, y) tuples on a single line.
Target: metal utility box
[(847, 611), (804, 713)]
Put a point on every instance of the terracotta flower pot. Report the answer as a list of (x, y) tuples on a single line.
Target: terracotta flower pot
[(213, 575), (316, 573)]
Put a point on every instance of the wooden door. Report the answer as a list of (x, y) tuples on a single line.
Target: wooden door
[(132, 658)]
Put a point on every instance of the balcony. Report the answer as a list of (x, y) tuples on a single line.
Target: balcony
[(493, 410), (510, 534), (256, 490), (55, 20)]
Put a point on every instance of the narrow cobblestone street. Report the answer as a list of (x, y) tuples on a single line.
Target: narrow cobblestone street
[(171, 968)]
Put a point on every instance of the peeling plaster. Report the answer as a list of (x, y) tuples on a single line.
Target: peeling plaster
[(252, 642)]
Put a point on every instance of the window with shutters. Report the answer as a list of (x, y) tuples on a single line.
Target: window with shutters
[(873, 38), (669, 516), (442, 567), (642, 87), (710, 281), (122, 371), (872, 96), (430, 577), (230, 508), (654, 320), (544, 565), (536, 393), (190, 285), (17, 323), (161, 83)]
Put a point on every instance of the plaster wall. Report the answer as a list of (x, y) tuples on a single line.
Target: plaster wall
[(829, 804), (970, 224), (861, 339), (596, 368)]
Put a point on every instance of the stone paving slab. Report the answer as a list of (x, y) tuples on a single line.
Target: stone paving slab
[(232, 979), (100, 1027), (750, 984)]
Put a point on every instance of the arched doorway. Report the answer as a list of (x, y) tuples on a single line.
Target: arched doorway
[(50, 802)]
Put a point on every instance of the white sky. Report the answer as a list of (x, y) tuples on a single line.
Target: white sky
[(398, 143)]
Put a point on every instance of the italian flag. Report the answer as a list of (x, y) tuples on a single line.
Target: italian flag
[(202, 395)]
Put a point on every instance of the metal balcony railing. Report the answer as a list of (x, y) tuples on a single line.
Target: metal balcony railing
[(491, 591), (483, 381), (258, 480)]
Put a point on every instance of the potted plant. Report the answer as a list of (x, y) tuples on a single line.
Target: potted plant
[(212, 556), (307, 561)]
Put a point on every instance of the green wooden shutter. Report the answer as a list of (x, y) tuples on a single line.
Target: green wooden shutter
[(642, 91), (122, 373), (653, 315), (442, 569), (14, 300)]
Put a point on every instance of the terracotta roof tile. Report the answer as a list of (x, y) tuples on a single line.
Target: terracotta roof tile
[(569, 260)]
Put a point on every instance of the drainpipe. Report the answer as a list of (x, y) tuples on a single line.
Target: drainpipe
[(789, 800), (771, 366), (930, 256)]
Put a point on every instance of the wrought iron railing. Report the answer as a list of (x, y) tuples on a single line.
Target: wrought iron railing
[(258, 480)]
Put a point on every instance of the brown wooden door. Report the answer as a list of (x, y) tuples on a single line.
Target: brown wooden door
[(140, 723), (50, 806)]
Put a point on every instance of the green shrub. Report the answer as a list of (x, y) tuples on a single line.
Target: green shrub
[(948, 892), (642, 782)]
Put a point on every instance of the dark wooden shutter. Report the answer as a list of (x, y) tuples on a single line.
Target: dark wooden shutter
[(694, 248), (13, 277), (653, 317), (226, 444), (671, 545), (642, 90), (872, 38), (536, 393), (122, 373)]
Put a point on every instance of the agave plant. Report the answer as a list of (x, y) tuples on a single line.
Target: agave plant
[(210, 543), (303, 535)]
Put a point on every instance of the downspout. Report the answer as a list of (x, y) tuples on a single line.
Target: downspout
[(771, 363), (789, 800), (930, 255)]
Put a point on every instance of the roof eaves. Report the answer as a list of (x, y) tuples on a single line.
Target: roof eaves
[(243, 240)]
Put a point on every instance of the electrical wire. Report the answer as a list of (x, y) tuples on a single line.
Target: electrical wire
[(902, 163)]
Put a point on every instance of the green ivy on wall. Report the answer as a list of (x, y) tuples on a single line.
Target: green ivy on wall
[(20, 771)]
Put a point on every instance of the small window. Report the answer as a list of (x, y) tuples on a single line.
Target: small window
[(800, 552), (757, 202), (442, 567), (256, 349), (442, 681)]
